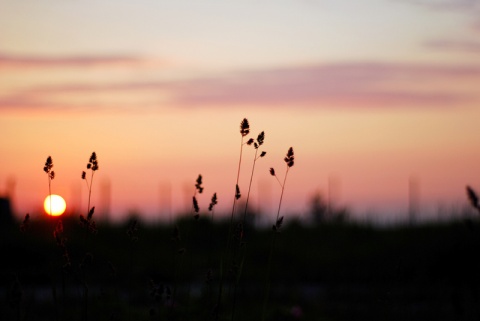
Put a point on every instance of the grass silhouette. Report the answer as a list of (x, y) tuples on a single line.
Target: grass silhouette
[(330, 271)]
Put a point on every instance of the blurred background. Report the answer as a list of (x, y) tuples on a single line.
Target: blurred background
[(379, 99)]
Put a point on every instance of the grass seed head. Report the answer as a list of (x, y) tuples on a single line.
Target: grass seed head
[(15, 293), (86, 261), (90, 213), (260, 138), (272, 171), (239, 231), (181, 251), (278, 224), (195, 205), (237, 192), (93, 162), (132, 230), (112, 269), (198, 184), (213, 202), (472, 197), (25, 223), (244, 127), (209, 276), (88, 222), (48, 165), (176, 234), (289, 159), (48, 168)]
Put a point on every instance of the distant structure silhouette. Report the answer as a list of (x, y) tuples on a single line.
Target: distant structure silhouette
[(6, 215), (333, 193), (76, 197), (264, 201), (6, 209), (413, 199), (165, 201), (105, 199)]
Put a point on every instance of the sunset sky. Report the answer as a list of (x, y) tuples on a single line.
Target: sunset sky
[(370, 94)]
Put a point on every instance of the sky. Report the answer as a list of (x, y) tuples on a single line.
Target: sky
[(372, 96)]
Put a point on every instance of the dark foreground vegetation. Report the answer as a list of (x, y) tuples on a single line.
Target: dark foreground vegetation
[(332, 271)]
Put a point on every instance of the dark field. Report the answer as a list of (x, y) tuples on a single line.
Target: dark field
[(327, 272)]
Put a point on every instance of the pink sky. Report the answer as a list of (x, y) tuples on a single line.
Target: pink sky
[(366, 100)]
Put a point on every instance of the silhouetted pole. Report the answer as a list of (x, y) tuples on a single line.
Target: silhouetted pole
[(76, 199), (165, 201), (333, 194), (413, 199), (106, 199), (10, 192), (264, 201)]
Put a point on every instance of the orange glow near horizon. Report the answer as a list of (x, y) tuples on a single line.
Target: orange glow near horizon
[(371, 154), (370, 105), (54, 205)]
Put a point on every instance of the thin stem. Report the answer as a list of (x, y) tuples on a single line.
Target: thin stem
[(281, 195), (235, 195), (244, 219), (279, 183), (90, 191), (274, 237), (220, 290), (50, 194), (236, 184), (250, 186), (267, 282)]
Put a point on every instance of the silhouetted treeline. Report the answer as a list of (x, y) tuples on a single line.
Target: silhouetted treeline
[(331, 271)]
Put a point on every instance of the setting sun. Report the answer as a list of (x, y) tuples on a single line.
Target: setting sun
[(57, 204)]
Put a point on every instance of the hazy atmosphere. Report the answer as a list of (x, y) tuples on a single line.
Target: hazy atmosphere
[(309, 160), (376, 97)]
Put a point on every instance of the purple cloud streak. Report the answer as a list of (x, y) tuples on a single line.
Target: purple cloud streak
[(452, 45), (29, 62), (353, 85)]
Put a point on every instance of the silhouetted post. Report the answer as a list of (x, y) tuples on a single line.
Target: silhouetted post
[(106, 199), (6, 216), (413, 199), (10, 192), (165, 201), (333, 191)]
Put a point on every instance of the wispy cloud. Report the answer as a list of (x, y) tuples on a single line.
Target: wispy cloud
[(353, 85), (455, 45), (356, 84), (476, 26), (32, 62), (445, 4)]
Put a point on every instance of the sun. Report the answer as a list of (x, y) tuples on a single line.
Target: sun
[(57, 204)]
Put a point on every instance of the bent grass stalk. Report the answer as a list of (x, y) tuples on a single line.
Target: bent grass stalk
[(88, 222), (244, 131), (256, 144), (473, 198), (47, 168), (209, 275), (91, 227), (289, 160), (132, 233), (195, 208)]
